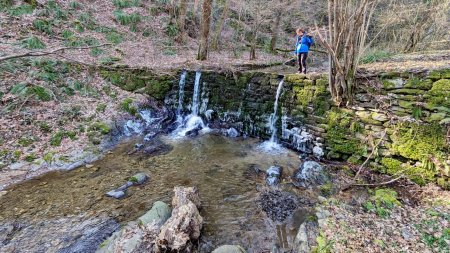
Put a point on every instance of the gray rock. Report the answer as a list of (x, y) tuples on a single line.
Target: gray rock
[(91, 237), (301, 243), (229, 249), (310, 174), (124, 186), (160, 212), (232, 132), (117, 194), (131, 238), (139, 178), (273, 175)]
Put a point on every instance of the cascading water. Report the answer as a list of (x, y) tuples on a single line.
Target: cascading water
[(274, 117), (192, 122), (272, 144), (195, 97), (137, 126), (181, 96)]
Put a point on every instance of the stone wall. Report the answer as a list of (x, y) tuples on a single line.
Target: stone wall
[(400, 120)]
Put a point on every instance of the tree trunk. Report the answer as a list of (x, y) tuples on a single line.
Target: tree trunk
[(182, 20), (253, 43), (219, 28), (204, 31), (275, 31)]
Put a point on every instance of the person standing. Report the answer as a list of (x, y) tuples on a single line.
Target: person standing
[(302, 45)]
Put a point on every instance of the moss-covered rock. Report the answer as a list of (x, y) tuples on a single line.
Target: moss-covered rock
[(416, 83), (436, 117), (339, 137), (295, 79), (418, 142), (439, 95), (409, 91)]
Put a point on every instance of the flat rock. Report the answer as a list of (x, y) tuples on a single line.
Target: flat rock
[(229, 249), (139, 178), (160, 212), (117, 194)]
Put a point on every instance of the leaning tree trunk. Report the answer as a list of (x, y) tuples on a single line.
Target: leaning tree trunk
[(219, 28), (275, 31), (182, 20), (204, 31)]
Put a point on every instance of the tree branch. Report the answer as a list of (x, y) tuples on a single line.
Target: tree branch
[(53, 52)]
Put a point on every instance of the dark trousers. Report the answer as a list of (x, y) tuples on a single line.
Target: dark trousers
[(302, 62)]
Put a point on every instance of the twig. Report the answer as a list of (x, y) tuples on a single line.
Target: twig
[(383, 183), (43, 53), (370, 156)]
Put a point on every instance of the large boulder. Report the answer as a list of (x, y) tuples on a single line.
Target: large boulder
[(229, 249), (310, 174)]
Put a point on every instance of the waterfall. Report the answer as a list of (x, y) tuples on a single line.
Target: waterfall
[(181, 96), (272, 145), (195, 97), (274, 117), (192, 122)]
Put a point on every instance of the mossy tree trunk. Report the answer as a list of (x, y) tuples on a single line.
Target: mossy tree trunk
[(204, 31)]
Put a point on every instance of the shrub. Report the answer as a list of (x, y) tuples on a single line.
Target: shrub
[(42, 25), (382, 202), (126, 105), (21, 10), (128, 19), (32, 42)]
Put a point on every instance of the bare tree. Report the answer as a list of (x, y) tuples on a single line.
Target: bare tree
[(406, 24), (349, 21), (204, 31), (220, 25), (182, 19)]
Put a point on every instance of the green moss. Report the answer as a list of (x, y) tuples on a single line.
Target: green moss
[(101, 107), (295, 79), (436, 117), (44, 127), (406, 104), (100, 127), (418, 142), (56, 138), (25, 141), (439, 95), (416, 83), (16, 154), (48, 157), (339, 136), (409, 91), (441, 85), (126, 106), (158, 88), (382, 201), (326, 189), (30, 157)]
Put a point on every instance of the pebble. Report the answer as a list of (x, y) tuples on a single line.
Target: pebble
[(89, 166)]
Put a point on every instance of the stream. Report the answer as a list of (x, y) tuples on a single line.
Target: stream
[(66, 211)]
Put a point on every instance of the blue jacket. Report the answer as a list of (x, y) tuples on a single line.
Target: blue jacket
[(303, 44)]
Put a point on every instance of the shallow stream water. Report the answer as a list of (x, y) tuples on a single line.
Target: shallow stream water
[(49, 213)]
